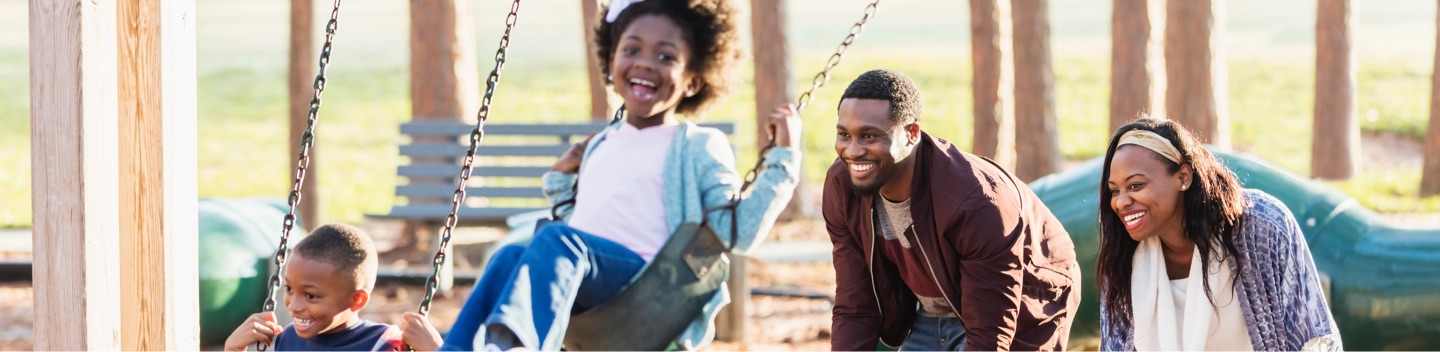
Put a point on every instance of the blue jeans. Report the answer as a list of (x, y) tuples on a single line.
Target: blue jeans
[(528, 292), (935, 334)]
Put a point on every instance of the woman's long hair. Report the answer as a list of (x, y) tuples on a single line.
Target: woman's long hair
[(1212, 208)]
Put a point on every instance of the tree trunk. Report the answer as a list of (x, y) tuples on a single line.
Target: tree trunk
[(302, 89), (1335, 149), (444, 83), (1195, 93), (994, 81), (1137, 61), (599, 92), (1039, 155), (1430, 179)]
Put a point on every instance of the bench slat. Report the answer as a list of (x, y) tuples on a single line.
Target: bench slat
[(440, 211), (453, 170), (453, 128), (457, 150), (445, 191)]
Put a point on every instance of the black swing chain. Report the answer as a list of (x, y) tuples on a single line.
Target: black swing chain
[(475, 135), (301, 163), (815, 83)]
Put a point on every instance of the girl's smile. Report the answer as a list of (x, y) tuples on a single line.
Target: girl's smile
[(650, 70)]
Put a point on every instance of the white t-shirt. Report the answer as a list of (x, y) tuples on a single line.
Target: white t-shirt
[(622, 196)]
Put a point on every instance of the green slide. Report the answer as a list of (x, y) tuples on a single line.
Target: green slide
[(237, 239)]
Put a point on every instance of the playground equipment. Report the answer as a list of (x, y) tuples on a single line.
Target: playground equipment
[(1382, 281), (234, 253)]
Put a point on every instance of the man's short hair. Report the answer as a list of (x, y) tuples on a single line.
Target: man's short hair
[(892, 86), (344, 247)]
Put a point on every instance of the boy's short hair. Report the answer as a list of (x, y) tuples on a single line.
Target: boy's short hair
[(709, 27), (345, 247), (892, 86)]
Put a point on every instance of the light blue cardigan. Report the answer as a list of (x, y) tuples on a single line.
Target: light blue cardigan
[(1279, 289), (700, 173)]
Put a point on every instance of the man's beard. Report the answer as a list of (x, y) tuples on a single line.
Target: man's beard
[(881, 178)]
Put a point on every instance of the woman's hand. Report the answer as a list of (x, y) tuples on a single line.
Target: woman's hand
[(570, 161), (419, 334), (259, 328), (784, 125)]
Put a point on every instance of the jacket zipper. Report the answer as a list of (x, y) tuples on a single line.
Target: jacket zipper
[(870, 264), (918, 243)]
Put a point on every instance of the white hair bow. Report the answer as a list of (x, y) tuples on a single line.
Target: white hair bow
[(616, 6)]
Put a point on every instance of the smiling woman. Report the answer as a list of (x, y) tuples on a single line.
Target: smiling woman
[(1174, 225)]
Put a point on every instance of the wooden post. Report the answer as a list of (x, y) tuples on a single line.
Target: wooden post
[(1034, 92), (444, 84), (994, 81), (1195, 69), (302, 89), (1137, 65), (1430, 175), (444, 81), (75, 195), (599, 91), (97, 265), (773, 87), (1335, 148), (157, 163)]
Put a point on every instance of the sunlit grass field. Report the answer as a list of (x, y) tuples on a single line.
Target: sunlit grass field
[(243, 151)]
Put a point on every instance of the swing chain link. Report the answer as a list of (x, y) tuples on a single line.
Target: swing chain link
[(301, 163), (476, 135), (815, 83)]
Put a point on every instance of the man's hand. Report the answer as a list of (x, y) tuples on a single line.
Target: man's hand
[(784, 125), (259, 328), (419, 334)]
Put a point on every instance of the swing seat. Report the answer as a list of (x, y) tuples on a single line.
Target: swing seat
[(661, 302)]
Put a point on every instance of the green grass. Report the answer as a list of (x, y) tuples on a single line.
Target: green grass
[(244, 151)]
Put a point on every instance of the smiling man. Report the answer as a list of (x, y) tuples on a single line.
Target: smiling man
[(937, 249)]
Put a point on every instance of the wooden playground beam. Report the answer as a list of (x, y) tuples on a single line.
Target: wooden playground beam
[(302, 88), (1335, 146), (994, 81), (75, 192), (1430, 173), (1137, 60), (159, 301), (95, 264), (599, 93), (1195, 89), (1035, 120)]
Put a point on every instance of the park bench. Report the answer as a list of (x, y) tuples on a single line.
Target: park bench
[(505, 180)]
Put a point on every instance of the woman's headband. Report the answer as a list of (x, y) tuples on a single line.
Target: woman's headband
[(1151, 141), (616, 6)]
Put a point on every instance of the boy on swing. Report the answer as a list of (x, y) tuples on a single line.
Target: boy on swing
[(327, 281)]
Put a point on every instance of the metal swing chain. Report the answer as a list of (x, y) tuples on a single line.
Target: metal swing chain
[(475, 135), (815, 83), (301, 163)]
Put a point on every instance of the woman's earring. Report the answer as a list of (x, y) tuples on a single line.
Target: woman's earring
[(690, 94), (609, 78), (1183, 188)]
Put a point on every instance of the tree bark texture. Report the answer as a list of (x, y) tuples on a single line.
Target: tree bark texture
[(1195, 90), (994, 81), (1035, 124), (1137, 60), (1335, 149)]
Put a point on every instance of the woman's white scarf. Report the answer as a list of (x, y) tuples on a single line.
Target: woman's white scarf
[(1154, 306)]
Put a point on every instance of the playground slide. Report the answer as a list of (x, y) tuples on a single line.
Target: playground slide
[(1382, 281), (238, 238)]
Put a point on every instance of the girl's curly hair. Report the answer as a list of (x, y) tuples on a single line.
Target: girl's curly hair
[(709, 27)]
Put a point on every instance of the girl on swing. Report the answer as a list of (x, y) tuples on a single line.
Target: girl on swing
[(644, 176)]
